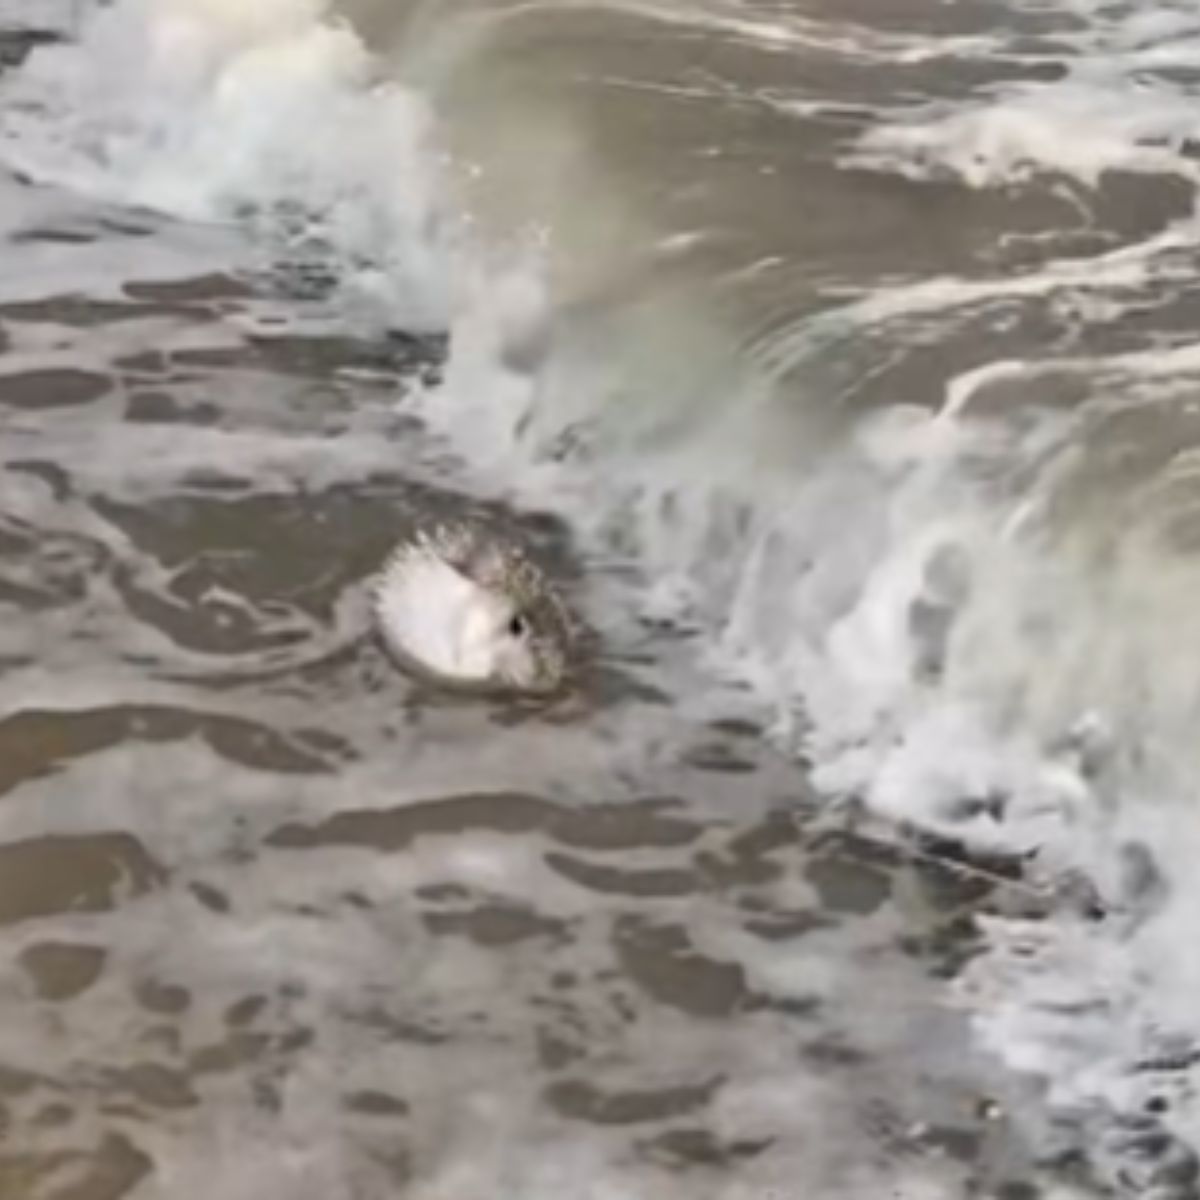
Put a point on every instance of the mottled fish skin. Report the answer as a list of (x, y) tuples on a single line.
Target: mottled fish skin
[(497, 564)]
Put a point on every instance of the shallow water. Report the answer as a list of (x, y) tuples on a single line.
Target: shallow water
[(276, 920), (838, 364)]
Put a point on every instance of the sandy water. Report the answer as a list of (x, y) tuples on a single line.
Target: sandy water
[(276, 921)]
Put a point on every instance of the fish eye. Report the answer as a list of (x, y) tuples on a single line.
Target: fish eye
[(518, 626)]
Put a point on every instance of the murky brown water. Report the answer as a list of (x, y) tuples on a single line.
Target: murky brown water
[(275, 921)]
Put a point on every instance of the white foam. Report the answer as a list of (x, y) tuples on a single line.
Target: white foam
[(264, 109), (1085, 131), (1109, 111)]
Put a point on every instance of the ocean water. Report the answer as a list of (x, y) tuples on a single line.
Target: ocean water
[(841, 361)]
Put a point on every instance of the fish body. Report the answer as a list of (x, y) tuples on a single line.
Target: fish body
[(466, 607)]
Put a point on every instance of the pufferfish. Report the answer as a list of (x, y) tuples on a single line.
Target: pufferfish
[(465, 607)]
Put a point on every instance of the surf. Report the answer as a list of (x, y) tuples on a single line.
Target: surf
[(932, 515)]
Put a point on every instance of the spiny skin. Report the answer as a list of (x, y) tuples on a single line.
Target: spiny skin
[(500, 566)]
